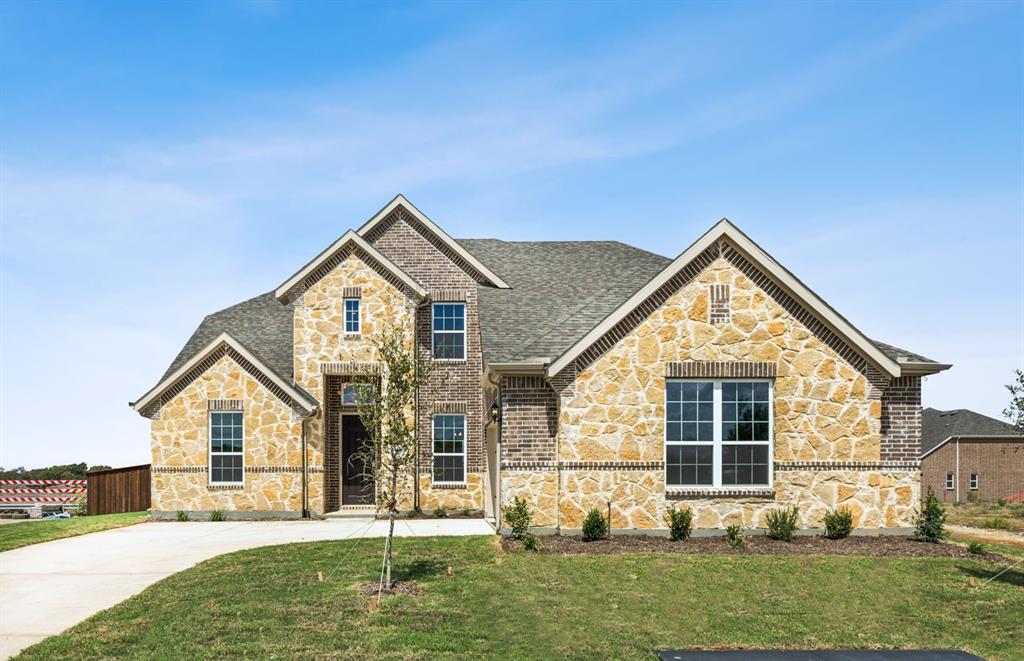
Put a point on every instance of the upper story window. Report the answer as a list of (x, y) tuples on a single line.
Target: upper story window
[(226, 461), (974, 481), (449, 331), (718, 434), (353, 394), (449, 449), (352, 320)]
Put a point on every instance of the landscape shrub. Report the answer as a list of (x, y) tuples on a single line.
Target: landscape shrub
[(531, 542), (930, 522), (782, 522), (595, 526), (216, 515), (181, 515), (519, 517), (81, 505), (996, 523), (734, 534), (838, 523), (440, 513), (976, 547), (466, 511), (1001, 502), (680, 522)]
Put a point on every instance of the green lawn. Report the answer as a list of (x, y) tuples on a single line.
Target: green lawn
[(268, 603), (15, 535), (990, 515)]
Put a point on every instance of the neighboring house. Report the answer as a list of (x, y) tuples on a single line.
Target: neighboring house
[(969, 455), (716, 380)]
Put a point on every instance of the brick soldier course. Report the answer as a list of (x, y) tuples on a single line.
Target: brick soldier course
[(582, 346)]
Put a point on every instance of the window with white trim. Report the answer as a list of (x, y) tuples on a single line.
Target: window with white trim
[(974, 481), (950, 481), (226, 462), (718, 434), (352, 320), (449, 449), (449, 331)]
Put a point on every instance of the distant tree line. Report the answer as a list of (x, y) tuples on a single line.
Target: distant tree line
[(58, 472)]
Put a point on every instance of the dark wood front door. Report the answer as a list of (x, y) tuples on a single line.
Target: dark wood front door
[(356, 483)]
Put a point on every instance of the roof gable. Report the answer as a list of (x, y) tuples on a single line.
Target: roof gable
[(225, 344), (442, 237), (691, 260), (315, 269)]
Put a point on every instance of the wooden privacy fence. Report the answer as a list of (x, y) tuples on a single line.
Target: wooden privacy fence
[(119, 490)]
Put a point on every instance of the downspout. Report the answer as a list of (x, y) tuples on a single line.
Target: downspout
[(956, 476), (305, 462), (496, 497)]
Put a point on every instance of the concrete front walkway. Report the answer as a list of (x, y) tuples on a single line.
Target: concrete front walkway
[(46, 588)]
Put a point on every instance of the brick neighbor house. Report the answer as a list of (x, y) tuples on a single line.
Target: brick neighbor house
[(574, 374), (967, 455)]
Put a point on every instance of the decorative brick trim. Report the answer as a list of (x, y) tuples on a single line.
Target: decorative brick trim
[(728, 369), (523, 383), (294, 295), (612, 465), (720, 493), (719, 310), (349, 368), (351, 292), (351, 337), (847, 465), (178, 469), (449, 407), (223, 405), (248, 469), (458, 485), (225, 487), (447, 295), (529, 465), (273, 469)]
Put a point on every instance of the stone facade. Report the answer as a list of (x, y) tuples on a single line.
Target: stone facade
[(828, 413), (272, 448)]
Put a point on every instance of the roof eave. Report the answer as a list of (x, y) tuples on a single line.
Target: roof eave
[(915, 368)]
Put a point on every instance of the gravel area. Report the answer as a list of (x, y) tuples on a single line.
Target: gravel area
[(882, 546)]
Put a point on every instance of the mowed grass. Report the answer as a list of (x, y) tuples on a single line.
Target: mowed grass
[(16, 535), (268, 603)]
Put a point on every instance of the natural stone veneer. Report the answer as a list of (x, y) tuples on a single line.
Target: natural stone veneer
[(454, 497), (825, 411), (180, 448)]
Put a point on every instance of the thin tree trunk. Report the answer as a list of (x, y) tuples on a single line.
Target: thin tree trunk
[(391, 536)]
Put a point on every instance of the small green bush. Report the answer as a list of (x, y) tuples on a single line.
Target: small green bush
[(531, 543), (518, 517), (81, 505), (930, 522), (467, 512), (996, 523), (595, 526), (782, 522), (440, 513), (216, 515), (838, 523), (1001, 502), (680, 522), (181, 515), (735, 536), (976, 548)]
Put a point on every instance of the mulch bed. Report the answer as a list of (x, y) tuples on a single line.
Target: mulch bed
[(882, 546), (370, 589)]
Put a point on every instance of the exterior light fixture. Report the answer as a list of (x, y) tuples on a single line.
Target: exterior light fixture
[(495, 412)]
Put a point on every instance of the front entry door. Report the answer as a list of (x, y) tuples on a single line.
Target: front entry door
[(356, 483)]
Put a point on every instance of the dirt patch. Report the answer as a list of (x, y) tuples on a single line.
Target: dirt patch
[(397, 587), (883, 547)]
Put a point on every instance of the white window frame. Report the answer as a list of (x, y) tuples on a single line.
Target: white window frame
[(433, 333), (359, 316), (716, 469), (462, 454), (209, 451), (950, 481), (975, 481)]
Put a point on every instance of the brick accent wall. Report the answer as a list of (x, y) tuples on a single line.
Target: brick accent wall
[(901, 419), (332, 446), (529, 420)]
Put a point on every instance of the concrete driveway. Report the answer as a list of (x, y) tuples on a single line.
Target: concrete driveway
[(46, 588)]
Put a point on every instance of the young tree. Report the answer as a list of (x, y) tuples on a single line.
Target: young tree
[(388, 414), (1015, 411)]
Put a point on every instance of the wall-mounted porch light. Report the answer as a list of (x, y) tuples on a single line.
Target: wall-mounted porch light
[(495, 412)]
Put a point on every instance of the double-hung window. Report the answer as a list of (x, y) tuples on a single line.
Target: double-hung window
[(449, 331), (352, 319), (718, 434), (226, 464), (974, 481), (950, 481), (449, 449)]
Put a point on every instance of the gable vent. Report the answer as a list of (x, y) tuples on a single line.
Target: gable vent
[(718, 311)]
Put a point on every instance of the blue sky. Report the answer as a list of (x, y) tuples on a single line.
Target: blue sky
[(161, 161)]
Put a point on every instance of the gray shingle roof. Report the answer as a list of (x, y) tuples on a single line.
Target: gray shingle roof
[(560, 290), (937, 426), (897, 354), (261, 324)]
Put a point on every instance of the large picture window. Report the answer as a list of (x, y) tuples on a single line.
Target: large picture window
[(718, 434), (449, 331), (449, 449), (226, 440)]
